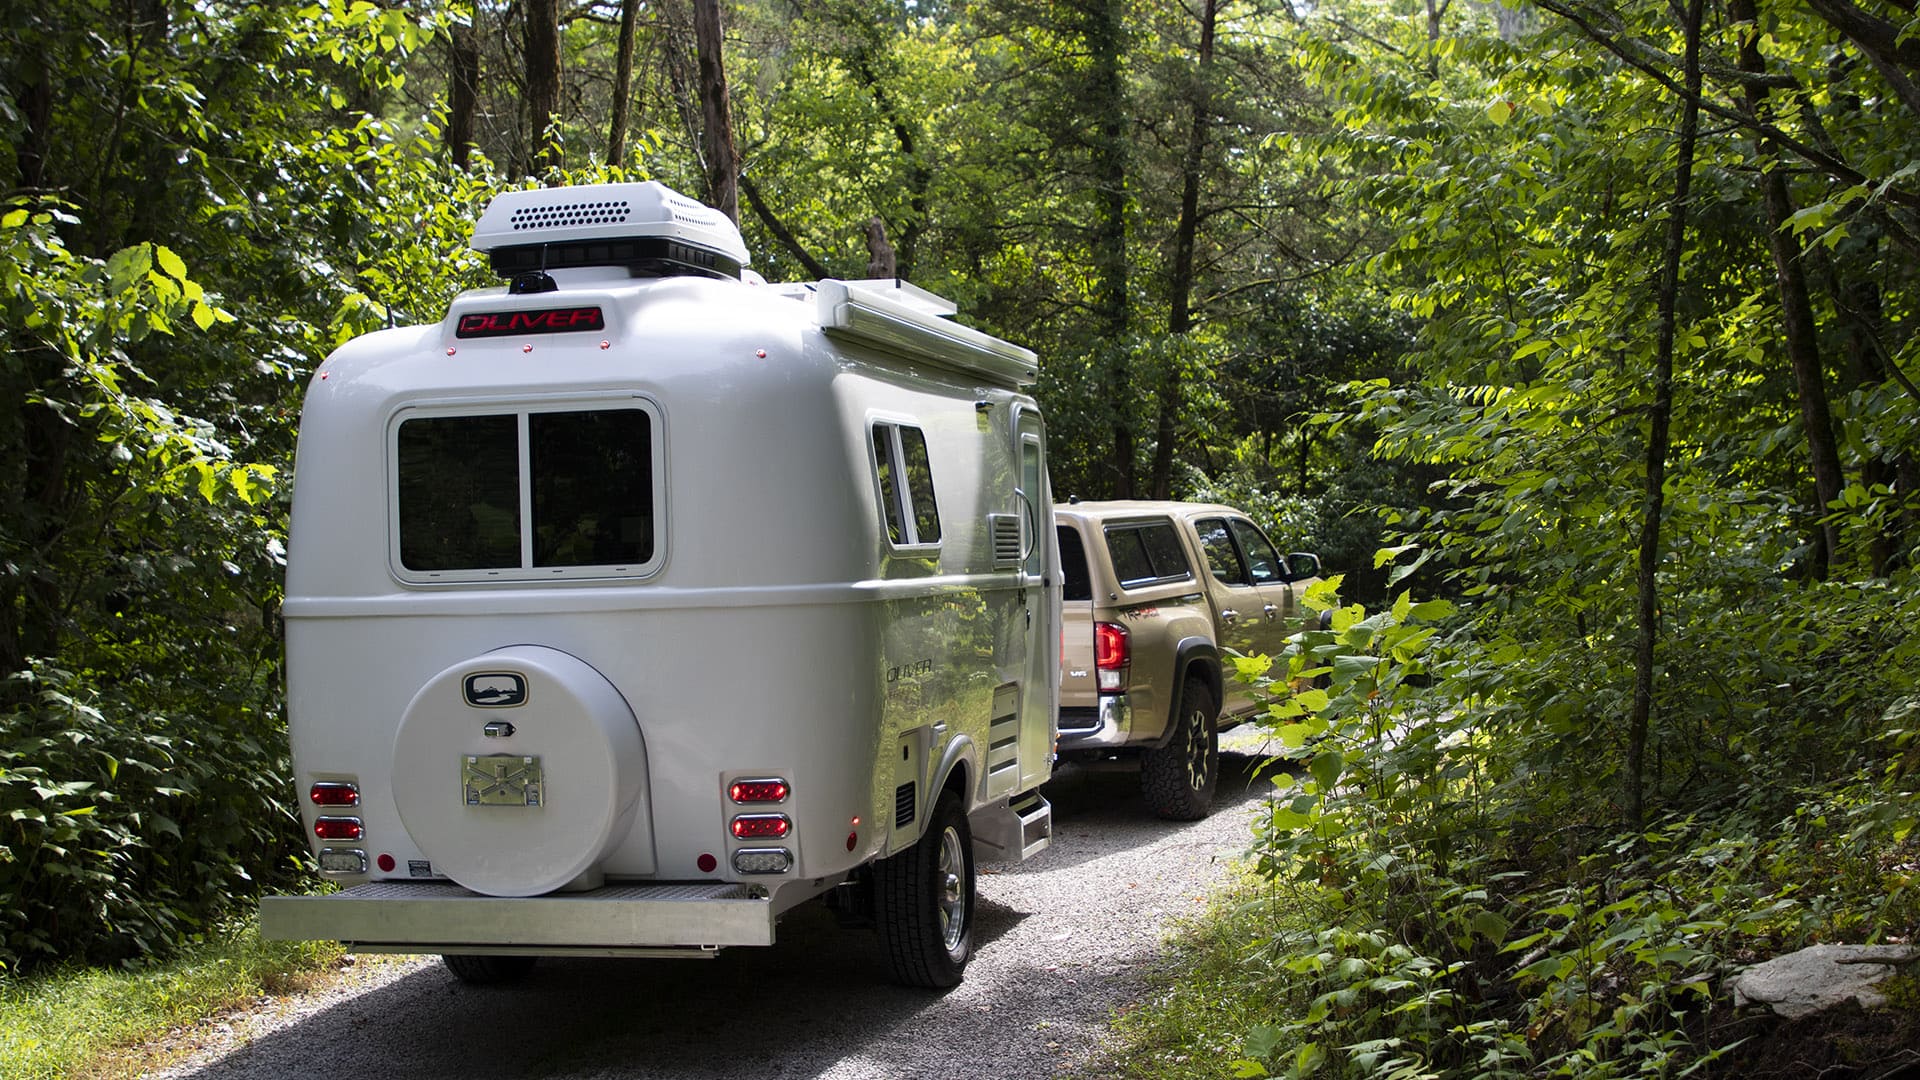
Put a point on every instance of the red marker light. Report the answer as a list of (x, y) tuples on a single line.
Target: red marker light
[(385, 862), (761, 826), (338, 828), (334, 793), (706, 863), (771, 789)]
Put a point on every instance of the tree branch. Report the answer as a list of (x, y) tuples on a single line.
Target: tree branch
[(779, 229)]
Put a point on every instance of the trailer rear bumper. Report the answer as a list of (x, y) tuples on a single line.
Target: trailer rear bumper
[(418, 916)]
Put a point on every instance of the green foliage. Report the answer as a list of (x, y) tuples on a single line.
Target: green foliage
[(1465, 910)]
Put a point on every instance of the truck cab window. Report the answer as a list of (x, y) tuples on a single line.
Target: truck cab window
[(1263, 563), (1222, 558)]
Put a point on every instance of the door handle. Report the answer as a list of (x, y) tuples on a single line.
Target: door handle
[(1228, 614), (1271, 611)]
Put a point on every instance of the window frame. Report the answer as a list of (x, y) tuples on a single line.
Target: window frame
[(521, 408), (903, 504)]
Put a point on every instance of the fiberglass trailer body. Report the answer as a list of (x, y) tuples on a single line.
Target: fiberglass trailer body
[(635, 603)]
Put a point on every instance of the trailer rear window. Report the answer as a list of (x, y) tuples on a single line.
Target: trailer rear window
[(524, 493), (1146, 554)]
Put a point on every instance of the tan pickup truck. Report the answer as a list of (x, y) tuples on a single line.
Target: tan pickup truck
[(1156, 594)]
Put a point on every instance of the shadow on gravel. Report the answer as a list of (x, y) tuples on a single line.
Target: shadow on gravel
[(817, 1003)]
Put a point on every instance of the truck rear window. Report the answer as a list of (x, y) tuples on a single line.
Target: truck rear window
[(1147, 554), (588, 500)]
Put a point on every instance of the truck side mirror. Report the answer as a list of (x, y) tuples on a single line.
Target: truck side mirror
[(1304, 564)]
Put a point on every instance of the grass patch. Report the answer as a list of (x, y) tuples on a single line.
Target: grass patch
[(77, 1022), (1205, 996)]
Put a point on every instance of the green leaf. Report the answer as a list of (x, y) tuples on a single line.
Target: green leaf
[(169, 262), (1326, 768)]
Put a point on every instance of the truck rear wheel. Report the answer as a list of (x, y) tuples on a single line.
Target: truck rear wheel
[(923, 901), (488, 970), (1178, 779)]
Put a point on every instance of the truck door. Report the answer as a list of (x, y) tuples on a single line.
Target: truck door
[(1236, 603), (1278, 612), (1040, 591)]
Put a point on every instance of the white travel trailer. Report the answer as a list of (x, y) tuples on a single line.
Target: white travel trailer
[(639, 601)]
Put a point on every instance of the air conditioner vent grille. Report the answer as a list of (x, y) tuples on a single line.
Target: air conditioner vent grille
[(568, 215)]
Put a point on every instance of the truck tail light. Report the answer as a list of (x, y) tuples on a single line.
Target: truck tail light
[(1110, 658), (334, 793), (770, 789), (761, 826), (338, 828)]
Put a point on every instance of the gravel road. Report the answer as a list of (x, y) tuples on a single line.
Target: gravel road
[(1062, 940)]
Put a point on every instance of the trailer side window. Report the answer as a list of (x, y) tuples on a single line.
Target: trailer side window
[(537, 491), (1147, 554), (905, 477)]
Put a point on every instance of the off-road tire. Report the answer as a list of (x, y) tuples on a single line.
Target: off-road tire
[(1178, 779), (923, 901), (488, 970)]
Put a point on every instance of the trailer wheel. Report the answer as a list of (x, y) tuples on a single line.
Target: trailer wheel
[(923, 901), (1178, 779), (488, 970)]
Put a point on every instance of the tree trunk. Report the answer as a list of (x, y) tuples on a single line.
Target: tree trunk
[(723, 161), (1801, 331), (1106, 103), (622, 84), (1180, 283), (1659, 417), (543, 82), (463, 91)]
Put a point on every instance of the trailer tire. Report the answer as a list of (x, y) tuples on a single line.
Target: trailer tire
[(1179, 778), (488, 970), (923, 901)]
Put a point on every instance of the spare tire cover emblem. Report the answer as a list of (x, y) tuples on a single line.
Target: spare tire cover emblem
[(496, 690)]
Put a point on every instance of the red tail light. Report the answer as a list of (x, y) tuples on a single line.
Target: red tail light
[(338, 828), (334, 793), (1110, 659), (761, 826), (769, 790)]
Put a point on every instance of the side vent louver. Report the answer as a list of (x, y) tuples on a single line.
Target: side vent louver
[(1004, 530), (903, 808)]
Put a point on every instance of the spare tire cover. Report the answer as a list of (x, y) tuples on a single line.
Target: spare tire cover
[(568, 776)]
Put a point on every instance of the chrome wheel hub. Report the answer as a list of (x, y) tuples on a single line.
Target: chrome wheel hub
[(953, 893)]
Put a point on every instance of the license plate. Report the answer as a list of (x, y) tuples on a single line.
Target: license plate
[(503, 780)]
